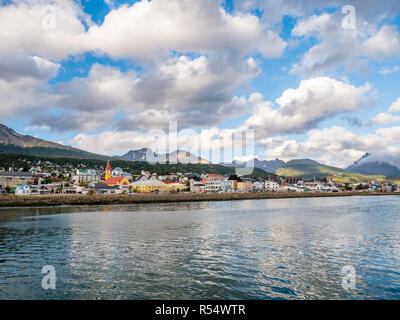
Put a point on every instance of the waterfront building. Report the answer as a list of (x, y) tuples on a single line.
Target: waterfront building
[(117, 181), (119, 172), (258, 186), (147, 186), (85, 177), (217, 185), (245, 186), (22, 190), (197, 186), (271, 185), (387, 187), (102, 188), (234, 179), (14, 178)]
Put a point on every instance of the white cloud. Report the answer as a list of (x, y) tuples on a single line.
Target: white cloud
[(145, 30), (385, 118), (23, 84), (301, 109), (275, 10), (395, 107), (334, 146), (150, 28), (384, 44), (22, 31), (388, 117), (388, 70), (193, 91), (337, 46)]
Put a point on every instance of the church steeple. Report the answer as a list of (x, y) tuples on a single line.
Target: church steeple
[(108, 171)]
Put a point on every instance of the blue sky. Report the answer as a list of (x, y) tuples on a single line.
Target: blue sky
[(104, 75)]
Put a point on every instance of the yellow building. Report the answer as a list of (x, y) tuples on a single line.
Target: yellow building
[(245, 186), (148, 186)]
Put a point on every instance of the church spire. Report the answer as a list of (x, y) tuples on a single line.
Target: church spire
[(108, 171)]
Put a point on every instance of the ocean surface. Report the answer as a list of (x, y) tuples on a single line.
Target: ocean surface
[(250, 249)]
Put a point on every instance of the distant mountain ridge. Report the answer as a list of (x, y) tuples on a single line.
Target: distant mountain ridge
[(148, 155), (376, 165), (13, 142), (266, 165), (307, 169)]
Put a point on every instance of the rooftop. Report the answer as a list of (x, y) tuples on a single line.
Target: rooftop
[(15, 174)]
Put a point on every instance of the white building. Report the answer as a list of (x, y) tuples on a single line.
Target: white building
[(197, 186), (218, 186), (85, 178), (119, 172), (272, 186), (258, 185)]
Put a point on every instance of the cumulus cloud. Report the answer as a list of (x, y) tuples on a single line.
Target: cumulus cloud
[(388, 70), (338, 46), (334, 146), (275, 10), (193, 91), (146, 29), (303, 108), (149, 28), (23, 84), (384, 44), (389, 117), (30, 27), (395, 107)]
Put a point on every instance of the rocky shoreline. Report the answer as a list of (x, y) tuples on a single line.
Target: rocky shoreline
[(76, 200)]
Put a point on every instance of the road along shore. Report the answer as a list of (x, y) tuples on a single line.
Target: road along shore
[(76, 200)]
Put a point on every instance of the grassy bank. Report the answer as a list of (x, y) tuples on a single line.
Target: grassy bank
[(59, 200)]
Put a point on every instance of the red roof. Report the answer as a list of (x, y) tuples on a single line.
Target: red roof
[(115, 180), (108, 168)]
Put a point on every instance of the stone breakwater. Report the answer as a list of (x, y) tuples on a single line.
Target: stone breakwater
[(74, 200)]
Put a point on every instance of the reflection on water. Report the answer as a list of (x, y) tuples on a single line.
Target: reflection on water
[(253, 249)]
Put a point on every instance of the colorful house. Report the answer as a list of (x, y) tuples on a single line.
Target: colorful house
[(114, 181), (117, 181)]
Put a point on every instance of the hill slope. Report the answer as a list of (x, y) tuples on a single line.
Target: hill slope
[(307, 169), (266, 165), (13, 142), (376, 165)]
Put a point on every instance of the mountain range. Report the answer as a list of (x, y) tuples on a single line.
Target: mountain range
[(375, 164), (179, 156), (12, 142), (266, 165)]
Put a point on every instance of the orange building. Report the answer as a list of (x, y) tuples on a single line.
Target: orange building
[(117, 181), (114, 181)]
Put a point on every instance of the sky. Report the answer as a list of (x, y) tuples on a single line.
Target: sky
[(283, 79)]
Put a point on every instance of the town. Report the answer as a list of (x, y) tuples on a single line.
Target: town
[(95, 181)]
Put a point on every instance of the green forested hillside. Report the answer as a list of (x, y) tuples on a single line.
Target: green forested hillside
[(50, 152), (135, 167), (308, 171)]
